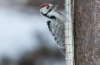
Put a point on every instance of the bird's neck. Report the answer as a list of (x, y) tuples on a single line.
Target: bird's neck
[(48, 14)]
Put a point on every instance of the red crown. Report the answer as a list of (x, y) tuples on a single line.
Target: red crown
[(43, 5)]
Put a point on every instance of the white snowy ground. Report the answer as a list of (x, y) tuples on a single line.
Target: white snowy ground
[(18, 31)]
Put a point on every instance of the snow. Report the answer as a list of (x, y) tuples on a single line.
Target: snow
[(19, 28), (17, 32)]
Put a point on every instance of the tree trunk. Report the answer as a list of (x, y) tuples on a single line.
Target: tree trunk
[(87, 32)]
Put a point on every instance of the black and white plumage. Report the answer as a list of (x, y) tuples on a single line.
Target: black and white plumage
[(56, 23)]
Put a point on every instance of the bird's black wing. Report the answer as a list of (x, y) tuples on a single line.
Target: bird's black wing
[(49, 25)]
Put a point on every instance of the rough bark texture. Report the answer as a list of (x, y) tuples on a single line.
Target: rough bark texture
[(87, 32)]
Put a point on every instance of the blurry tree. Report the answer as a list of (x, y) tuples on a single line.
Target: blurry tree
[(32, 3), (38, 2), (29, 2), (87, 32)]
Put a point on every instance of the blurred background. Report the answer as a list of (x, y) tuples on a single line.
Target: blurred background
[(24, 36)]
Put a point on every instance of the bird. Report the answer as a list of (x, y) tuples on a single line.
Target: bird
[(56, 23)]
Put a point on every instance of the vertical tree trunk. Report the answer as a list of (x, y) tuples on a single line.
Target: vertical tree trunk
[(87, 32)]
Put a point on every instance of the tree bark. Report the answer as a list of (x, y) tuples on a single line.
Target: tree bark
[(87, 32)]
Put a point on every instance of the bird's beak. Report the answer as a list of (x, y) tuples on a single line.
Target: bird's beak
[(53, 6), (50, 5)]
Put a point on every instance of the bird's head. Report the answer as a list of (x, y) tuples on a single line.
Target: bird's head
[(45, 7)]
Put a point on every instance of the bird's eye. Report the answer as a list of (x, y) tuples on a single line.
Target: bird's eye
[(47, 7)]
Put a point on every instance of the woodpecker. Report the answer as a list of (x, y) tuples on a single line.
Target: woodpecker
[(56, 23)]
